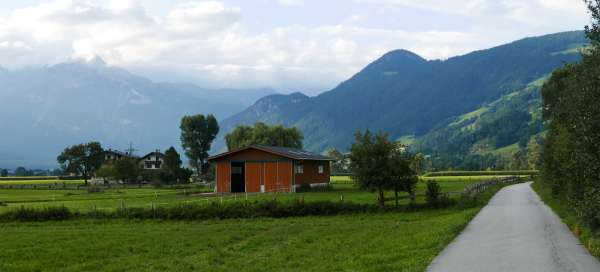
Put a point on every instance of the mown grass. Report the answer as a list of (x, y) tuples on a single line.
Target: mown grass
[(364, 242), (568, 216)]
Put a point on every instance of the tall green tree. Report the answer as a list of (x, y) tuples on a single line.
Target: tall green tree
[(263, 134), (126, 170), (571, 153), (369, 161), (3, 173), (197, 134), (172, 161), (402, 176), (82, 159)]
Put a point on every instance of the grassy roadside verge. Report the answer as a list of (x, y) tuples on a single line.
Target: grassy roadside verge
[(562, 209)]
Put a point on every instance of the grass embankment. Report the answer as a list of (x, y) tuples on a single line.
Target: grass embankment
[(565, 212)]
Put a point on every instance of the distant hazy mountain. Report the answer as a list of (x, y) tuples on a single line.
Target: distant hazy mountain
[(43, 110), (409, 97)]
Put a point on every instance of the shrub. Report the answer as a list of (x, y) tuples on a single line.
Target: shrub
[(2, 203), (30, 214), (432, 195), (304, 187), (94, 189)]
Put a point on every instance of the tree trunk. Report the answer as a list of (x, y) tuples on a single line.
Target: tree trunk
[(381, 198), (85, 178), (396, 195)]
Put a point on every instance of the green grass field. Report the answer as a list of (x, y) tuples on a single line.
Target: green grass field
[(112, 199), (406, 241), (380, 242)]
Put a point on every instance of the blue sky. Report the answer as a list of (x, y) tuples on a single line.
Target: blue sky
[(289, 45)]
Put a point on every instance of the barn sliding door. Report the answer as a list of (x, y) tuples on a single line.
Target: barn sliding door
[(254, 176), (278, 176), (223, 177)]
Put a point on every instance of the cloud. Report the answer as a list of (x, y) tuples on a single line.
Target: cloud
[(210, 43), (291, 3)]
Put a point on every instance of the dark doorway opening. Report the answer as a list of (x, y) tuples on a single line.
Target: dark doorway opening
[(238, 181)]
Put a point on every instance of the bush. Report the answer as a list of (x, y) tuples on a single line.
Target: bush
[(94, 189), (306, 187), (2, 203), (432, 195), (30, 214)]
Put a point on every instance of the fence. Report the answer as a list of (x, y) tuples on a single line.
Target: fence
[(480, 187)]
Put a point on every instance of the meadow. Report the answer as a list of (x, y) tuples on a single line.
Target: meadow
[(373, 242), (394, 241), (342, 189)]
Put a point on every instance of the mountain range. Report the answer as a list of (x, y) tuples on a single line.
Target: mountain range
[(479, 104), (417, 100), (45, 109)]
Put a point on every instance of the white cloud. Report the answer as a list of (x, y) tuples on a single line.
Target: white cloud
[(208, 41), (291, 3)]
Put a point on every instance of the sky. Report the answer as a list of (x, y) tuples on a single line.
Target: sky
[(288, 45)]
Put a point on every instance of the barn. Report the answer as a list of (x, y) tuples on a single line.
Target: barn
[(260, 168)]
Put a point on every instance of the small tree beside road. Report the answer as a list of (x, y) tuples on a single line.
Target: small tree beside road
[(378, 164)]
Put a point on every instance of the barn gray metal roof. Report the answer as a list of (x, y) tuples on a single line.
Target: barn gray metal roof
[(292, 153)]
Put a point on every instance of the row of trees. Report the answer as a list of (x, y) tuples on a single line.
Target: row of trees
[(263, 134), (571, 152), (380, 165), (128, 170), (24, 172)]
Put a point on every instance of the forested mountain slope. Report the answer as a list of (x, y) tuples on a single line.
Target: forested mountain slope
[(404, 94)]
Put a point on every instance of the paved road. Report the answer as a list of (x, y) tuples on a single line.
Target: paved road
[(516, 231)]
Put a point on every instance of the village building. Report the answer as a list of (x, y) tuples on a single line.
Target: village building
[(111, 156), (259, 168), (152, 160)]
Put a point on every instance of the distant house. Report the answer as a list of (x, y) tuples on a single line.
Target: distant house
[(261, 168), (152, 160), (111, 156)]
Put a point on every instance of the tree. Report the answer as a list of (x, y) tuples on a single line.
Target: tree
[(172, 166), (4, 173), (172, 161), (401, 174), (82, 159), (107, 171), (369, 161), (56, 172), (570, 157), (262, 134), (417, 163), (197, 134), (21, 171), (126, 170), (339, 164)]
